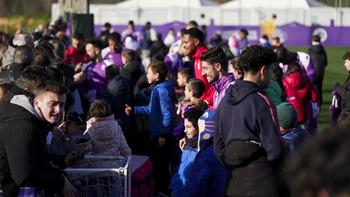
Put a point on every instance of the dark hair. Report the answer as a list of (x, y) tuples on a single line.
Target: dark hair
[(94, 42), (66, 70), (187, 73), (234, 63), (31, 77), (196, 34), (131, 23), (159, 36), (193, 115), (59, 49), (56, 75), (115, 36), (321, 163), (215, 55), (4, 87), (157, 58), (254, 57), (196, 86), (159, 67), (293, 67), (107, 25), (193, 23), (277, 72), (276, 38), (23, 55), (316, 38), (129, 54), (182, 32), (78, 36), (112, 71), (51, 86), (346, 56), (98, 109), (45, 49), (42, 60), (244, 32)]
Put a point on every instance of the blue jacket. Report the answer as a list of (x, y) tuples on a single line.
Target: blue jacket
[(161, 109), (206, 176), (294, 137)]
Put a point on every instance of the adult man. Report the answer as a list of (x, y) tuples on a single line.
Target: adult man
[(247, 137), (238, 42), (215, 69), (23, 57), (76, 53), (130, 31), (193, 41), (24, 160), (95, 72), (113, 52)]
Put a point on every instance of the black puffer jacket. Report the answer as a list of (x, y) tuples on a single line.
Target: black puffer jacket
[(344, 93), (24, 159), (319, 58)]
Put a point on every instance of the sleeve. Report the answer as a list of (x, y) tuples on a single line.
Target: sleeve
[(201, 174), (167, 108), (219, 145), (26, 166), (180, 128), (269, 132), (342, 91), (144, 110), (311, 72)]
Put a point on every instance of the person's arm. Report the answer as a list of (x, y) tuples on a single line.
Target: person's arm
[(270, 134), (168, 112), (125, 150), (25, 159)]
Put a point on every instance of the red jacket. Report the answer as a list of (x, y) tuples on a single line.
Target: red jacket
[(208, 91), (299, 92), (73, 57)]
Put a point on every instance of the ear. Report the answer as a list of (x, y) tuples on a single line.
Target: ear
[(196, 42), (36, 101), (157, 76), (97, 50), (262, 70), (217, 67)]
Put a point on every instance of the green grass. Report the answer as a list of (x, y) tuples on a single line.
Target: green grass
[(335, 71)]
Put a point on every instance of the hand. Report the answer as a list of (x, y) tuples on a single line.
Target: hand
[(73, 128), (68, 190), (79, 66), (128, 109), (182, 144), (78, 78), (335, 85), (71, 159), (161, 141), (59, 131)]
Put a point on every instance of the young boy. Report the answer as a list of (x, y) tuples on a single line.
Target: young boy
[(247, 137), (161, 111), (343, 91), (182, 78), (293, 134)]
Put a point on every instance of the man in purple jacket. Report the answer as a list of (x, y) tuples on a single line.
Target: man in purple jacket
[(247, 136), (215, 69)]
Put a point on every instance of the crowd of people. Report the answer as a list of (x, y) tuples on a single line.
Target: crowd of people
[(216, 118)]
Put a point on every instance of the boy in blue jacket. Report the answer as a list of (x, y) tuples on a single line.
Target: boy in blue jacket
[(161, 111), (200, 172)]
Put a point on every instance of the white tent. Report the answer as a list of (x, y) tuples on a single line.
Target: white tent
[(165, 4), (272, 4)]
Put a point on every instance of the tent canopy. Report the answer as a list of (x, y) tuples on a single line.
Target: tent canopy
[(273, 4), (164, 4)]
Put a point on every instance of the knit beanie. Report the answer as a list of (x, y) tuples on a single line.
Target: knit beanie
[(287, 115)]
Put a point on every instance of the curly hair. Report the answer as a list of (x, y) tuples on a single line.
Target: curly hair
[(254, 57), (346, 56)]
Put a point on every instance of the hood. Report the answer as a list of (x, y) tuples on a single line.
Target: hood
[(316, 49), (166, 84), (222, 83), (239, 90), (206, 126), (296, 80)]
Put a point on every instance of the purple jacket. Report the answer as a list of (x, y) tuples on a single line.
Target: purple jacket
[(174, 63), (220, 88), (114, 58), (95, 80)]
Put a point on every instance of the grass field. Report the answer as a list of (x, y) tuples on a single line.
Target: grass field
[(335, 71)]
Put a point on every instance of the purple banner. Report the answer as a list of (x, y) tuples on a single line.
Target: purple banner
[(292, 34)]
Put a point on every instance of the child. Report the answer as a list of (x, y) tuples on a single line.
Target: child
[(274, 91), (293, 134), (207, 175), (183, 76), (181, 180), (161, 110), (236, 70), (107, 139), (299, 92)]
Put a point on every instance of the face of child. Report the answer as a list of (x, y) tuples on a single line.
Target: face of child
[(151, 77), (347, 64), (190, 131), (181, 80), (188, 93)]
